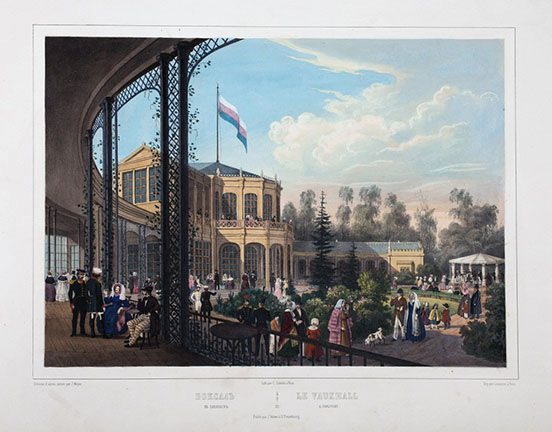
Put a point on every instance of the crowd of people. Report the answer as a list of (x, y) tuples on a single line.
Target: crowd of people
[(109, 311)]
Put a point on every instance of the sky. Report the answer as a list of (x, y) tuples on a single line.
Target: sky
[(415, 117)]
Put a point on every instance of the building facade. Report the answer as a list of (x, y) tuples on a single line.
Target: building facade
[(235, 216)]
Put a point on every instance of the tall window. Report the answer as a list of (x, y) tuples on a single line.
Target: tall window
[(153, 259), (154, 183), (302, 267), (229, 206), (199, 201), (251, 205), (267, 207), (370, 265), (132, 258), (278, 209), (383, 266), (75, 258), (207, 210), (206, 258), (217, 206), (59, 259), (229, 261), (251, 259), (140, 186), (127, 186)]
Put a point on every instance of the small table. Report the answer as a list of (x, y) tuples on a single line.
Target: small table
[(234, 333)]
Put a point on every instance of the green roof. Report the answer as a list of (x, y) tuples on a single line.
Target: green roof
[(363, 248)]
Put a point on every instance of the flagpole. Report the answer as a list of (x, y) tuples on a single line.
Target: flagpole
[(217, 124)]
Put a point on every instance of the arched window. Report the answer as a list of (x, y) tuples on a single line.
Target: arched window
[(278, 209), (217, 206), (229, 255), (229, 206), (267, 207), (251, 259), (251, 205)]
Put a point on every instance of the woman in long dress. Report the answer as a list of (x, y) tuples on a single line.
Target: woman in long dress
[(341, 326), (415, 328), (50, 287), (196, 299), (116, 308), (288, 348), (464, 305), (278, 288), (62, 288)]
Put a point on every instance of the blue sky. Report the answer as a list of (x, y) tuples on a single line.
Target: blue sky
[(415, 117)]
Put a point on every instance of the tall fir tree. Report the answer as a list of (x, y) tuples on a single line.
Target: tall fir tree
[(351, 271), (323, 271)]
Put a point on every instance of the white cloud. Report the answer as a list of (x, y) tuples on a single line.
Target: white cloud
[(461, 167), (334, 64), (451, 126)]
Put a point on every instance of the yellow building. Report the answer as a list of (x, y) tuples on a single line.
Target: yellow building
[(235, 214), (390, 257)]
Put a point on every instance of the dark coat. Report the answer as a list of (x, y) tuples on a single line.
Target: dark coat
[(400, 308), (302, 327), (94, 295), (245, 314), (77, 291), (261, 317), (475, 303), (205, 298), (152, 307)]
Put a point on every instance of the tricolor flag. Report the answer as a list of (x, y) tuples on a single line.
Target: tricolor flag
[(228, 112)]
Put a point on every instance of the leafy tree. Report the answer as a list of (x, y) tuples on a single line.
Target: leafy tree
[(351, 271), (322, 274), (426, 229), (344, 211), (289, 212), (365, 224), (305, 218), (346, 194), (396, 223), (474, 229), (488, 339), (372, 310)]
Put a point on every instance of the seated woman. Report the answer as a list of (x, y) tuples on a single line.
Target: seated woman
[(116, 307)]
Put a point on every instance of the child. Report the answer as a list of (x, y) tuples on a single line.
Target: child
[(434, 317), (313, 351), (446, 316)]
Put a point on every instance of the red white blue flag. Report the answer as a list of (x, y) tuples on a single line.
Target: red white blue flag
[(228, 112)]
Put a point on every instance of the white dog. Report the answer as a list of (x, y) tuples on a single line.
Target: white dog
[(375, 337)]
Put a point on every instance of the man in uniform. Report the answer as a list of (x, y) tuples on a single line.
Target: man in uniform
[(77, 300), (261, 320), (398, 314), (94, 300)]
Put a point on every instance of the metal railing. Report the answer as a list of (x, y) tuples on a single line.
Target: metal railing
[(246, 352), (266, 225)]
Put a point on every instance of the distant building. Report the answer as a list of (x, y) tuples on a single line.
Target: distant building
[(390, 257)]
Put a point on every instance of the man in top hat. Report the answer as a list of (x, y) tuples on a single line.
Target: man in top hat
[(300, 319), (261, 320), (94, 300), (148, 307), (398, 314), (77, 300), (206, 306)]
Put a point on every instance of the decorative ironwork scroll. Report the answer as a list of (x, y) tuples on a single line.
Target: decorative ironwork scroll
[(107, 214)]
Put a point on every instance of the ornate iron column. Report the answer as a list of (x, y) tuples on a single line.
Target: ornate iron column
[(166, 277), (123, 273), (107, 173), (49, 228), (89, 237), (183, 52)]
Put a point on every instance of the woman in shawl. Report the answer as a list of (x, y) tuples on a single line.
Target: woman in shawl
[(288, 348), (116, 307), (62, 288), (341, 326), (415, 328), (50, 288), (313, 332)]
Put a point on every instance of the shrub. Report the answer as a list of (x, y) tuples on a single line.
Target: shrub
[(405, 278), (230, 307), (488, 339)]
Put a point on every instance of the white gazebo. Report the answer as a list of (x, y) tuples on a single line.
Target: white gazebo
[(478, 259)]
